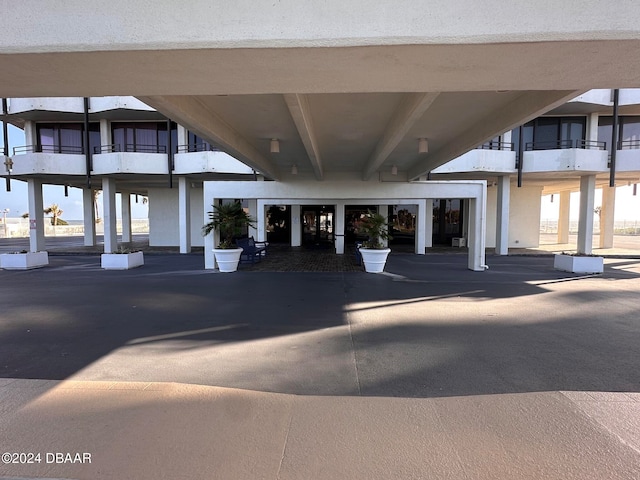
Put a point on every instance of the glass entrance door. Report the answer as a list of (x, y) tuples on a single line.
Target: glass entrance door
[(447, 220), (318, 225)]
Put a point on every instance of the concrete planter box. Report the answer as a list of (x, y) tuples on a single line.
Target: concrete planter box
[(227, 259), (24, 261), (578, 264), (374, 259), (121, 261)]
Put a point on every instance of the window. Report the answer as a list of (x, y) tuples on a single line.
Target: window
[(547, 133), (197, 144), (628, 131), (146, 137), (65, 137)]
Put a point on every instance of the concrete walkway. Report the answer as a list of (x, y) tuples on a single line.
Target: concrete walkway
[(427, 371)]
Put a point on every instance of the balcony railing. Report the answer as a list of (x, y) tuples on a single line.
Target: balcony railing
[(68, 149), (629, 144), (564, 144), (198, 147), (497, 146), (130, 148)]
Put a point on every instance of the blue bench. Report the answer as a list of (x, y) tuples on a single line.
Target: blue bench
[(252, 251)]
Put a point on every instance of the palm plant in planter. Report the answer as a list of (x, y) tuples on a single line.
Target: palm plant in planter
[(230, 220), (374, 254)]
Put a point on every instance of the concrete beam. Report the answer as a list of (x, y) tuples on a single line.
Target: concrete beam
[(521, 110), (410, 110), (301, 114), (194, 115)]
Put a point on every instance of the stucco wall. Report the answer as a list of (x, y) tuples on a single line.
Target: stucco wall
[(163, 217), (524, 216)]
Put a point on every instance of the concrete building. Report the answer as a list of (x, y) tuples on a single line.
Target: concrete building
[(336, 108)]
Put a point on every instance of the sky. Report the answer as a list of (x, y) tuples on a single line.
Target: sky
[(627, 204)]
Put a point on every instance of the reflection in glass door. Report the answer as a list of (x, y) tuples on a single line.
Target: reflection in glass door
[(447, 220), (318, 225)]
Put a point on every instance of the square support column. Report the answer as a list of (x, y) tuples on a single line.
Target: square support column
[(253, 213), (184, 214), (428, 223), (125, 204), (606, 216), (421, 226), (89, 218), (182, 134), (105, 132), (563, 217), (338, 227), (502, 215), (109, 204), (296, 226), (585, 221), (36, 216), (261, 222), (477, 232)]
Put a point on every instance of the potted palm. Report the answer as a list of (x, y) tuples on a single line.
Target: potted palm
[(230, 220), (374, 253)]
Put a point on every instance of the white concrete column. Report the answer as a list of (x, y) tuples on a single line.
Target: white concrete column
[(36, 215), (502, 215), (214, 237), (125, 204), (109, 214), (421, 226), (507, 138), (184, 214), (384, 211), (261, 222), (428, 223), (592, 127), (606, 216), (89, 218), (338, 227), (477, 230), (563, 217), (105, 132), (585, 220), (30, 136), (296, 226), (183, 135), (253, 213)]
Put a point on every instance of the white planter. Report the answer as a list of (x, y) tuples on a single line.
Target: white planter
[(121, 261), (578, 264), (227, 258), (374, 259), (23, 261)]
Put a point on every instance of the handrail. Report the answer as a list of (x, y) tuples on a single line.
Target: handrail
[(548, 145), (629, 144), (591, 144), (497, 146), (198, 147), (130, 148), (66, 149)]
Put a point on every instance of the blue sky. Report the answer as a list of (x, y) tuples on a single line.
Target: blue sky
[(17, 201)]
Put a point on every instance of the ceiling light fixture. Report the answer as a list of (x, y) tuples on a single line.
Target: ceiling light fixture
[(294, 169), (275, 145), (394, 170), (423, 145)]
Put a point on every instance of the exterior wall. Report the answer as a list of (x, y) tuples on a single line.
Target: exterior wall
[(54, 104), (524, 216), (163, 217)]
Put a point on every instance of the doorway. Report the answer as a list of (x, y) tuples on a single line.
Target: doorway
[(318, 226), (447, 220)]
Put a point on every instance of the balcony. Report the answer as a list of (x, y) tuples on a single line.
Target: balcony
[(49, 160), (50, 104), (495, 158), (565, 156), (192, 159), (628, 156), (142, 159)]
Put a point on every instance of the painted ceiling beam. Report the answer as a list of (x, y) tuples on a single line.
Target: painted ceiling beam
[(529, 105), (299, 108), (191, 113), (410, 110)]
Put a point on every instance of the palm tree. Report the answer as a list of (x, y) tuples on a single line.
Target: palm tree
[(230, 219), (55, 213)]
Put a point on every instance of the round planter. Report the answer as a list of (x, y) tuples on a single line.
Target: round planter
[(374, 259), (227, 258)]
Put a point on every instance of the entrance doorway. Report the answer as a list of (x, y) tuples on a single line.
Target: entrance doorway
[(279, 224), (447, 220), (318, 226)]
